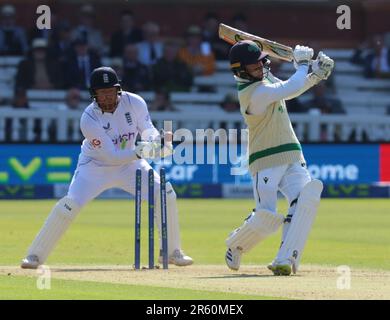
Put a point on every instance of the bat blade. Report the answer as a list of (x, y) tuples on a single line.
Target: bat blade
[(272, 48)]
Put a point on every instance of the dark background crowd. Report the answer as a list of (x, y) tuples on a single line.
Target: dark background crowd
[(63, 57), (145, 60)]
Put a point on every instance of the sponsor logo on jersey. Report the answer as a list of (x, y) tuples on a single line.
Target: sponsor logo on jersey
[(123, 137), (96, 143), (108, 127)]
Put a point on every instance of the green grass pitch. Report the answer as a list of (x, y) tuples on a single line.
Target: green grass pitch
[(353, 232)]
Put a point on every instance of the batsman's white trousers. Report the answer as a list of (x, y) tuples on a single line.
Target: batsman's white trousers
[(289, 179)]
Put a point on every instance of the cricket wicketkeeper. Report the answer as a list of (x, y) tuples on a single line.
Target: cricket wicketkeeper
[(109, 159), (276, 161)]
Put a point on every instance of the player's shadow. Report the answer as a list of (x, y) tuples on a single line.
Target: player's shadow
[(90, 269), (70, 269), (241, 275)]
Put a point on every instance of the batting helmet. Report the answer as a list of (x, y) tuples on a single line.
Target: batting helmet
[(243, 53), (103, 77)]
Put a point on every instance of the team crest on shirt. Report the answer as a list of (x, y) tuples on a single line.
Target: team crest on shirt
[(128, 118), (96, 143), (108, 127)]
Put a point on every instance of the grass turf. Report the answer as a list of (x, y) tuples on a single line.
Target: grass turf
[(351, 232), (17, 287)]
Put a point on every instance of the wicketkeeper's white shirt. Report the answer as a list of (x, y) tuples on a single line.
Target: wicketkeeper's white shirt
[(110, 137)]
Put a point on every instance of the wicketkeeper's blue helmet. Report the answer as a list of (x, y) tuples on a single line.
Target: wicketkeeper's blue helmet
[(103, 77)]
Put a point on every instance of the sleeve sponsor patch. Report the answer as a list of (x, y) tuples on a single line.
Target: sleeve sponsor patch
[(96, 143)]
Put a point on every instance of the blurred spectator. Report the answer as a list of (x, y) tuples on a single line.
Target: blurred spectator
[(197, 54), (4, 101), (294, 106), (60, 44), (323, 102), (20, 100), (128, 33), (86, 30), (117, 65), (79, 65), (210, 34), (162, 101), (230, 103), (375, 58), (170, 73), (150, 50), (39, 71), (72, 100), (13, 41), (136, 76), (239, 21)]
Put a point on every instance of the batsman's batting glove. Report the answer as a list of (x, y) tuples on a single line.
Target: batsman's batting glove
[(322, 67), (302, 55)]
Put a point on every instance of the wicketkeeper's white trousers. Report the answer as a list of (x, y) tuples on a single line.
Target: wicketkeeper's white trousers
[(88, 182)]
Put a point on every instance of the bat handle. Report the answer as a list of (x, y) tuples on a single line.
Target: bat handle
[(310, 62)]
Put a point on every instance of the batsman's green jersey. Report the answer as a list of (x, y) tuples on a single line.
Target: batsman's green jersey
[(272, 140)]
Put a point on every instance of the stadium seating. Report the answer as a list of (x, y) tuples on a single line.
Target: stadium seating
[(359, 96)]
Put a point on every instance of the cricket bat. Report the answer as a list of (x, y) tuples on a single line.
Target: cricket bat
[(272, 48)]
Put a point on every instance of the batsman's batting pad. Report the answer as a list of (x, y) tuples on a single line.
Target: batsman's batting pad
[(256, 227), (301, 223), (172, 218), (55, 226)]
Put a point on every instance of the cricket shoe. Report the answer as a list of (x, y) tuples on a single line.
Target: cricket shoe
[(30, 262), (280, 269), (233, 258), (178, 258)]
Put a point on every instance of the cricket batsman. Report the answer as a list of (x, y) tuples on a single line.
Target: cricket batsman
[(276, 161), (109, 158)]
